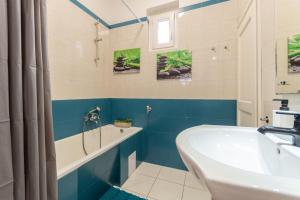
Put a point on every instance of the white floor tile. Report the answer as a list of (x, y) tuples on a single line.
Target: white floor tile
[(172, 175), (164, 190), (195, 194), (193, 182), (162, 183), (148, 169), (139, 183)]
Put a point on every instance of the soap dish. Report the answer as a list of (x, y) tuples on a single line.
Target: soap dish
[(123, 123)]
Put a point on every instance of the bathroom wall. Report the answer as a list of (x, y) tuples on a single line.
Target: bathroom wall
[(268, 57), (208, 98), (77, 83), (76, 80), (199, 30), (71, 34)]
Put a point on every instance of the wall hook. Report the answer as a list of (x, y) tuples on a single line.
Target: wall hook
[(226, 47)]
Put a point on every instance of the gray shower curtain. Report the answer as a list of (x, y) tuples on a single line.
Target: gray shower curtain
[(27, 153)]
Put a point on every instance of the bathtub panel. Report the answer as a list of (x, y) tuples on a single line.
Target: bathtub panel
[(107, 166), (103, 168), (126, 149), (68, 187), (94, 191), (86, 176), (91, 180)]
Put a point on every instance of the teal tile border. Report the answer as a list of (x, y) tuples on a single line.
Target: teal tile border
[(68, 114), (126, 23), (200, 5), (89, 12), (143, 19)]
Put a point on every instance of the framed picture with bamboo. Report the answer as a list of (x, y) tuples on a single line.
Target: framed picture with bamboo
[(127, 61), (174, 65), (294, 54)]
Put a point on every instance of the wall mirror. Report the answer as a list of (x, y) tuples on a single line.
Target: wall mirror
[(287, 35)]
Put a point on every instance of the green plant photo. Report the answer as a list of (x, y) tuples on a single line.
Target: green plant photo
[(127, 61), (294, 54), (174, 65)]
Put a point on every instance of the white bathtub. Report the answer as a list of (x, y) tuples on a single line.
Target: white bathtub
[(69, 152)]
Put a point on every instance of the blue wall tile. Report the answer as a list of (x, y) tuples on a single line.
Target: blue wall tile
[(68, 115), (168, 118)]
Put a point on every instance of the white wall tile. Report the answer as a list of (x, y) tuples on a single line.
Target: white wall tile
[(72, 52), (75, 75), (199, 30)]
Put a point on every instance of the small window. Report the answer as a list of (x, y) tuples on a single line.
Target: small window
[(162, 31)]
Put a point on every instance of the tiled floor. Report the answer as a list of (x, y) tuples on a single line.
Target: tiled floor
[(156, 182)]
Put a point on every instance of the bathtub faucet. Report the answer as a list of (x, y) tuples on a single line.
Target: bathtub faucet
[(93, 115)]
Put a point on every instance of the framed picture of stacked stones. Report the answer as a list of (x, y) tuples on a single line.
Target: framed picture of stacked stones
[(174, 65), (127, 61), (294, 54)]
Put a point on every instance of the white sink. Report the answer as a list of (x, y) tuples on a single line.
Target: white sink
[(241, 163)]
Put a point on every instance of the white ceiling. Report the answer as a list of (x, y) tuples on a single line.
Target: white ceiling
[(114, 11)]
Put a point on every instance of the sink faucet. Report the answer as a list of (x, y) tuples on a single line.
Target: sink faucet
[(294, 132)]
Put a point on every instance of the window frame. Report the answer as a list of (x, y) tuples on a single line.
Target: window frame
[(153, 30)]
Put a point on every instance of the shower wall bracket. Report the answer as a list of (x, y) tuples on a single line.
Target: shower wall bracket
[(97, 40)]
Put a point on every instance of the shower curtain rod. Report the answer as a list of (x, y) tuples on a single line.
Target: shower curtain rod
[(132, 12)]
